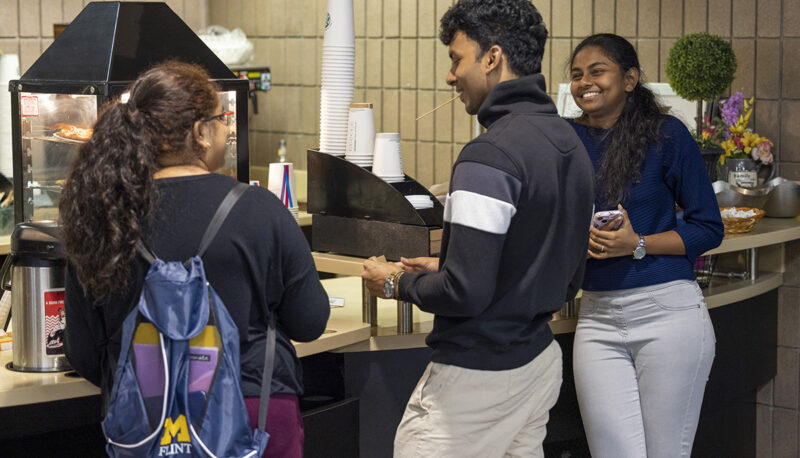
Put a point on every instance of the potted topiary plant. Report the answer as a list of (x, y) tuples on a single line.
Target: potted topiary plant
[(701, 67)]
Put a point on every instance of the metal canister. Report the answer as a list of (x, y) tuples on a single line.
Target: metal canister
[(38, 264)]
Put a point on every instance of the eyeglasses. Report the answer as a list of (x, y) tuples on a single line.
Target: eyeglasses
[(225, 118)]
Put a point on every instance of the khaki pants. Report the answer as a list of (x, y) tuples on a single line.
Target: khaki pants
[(458, 412)]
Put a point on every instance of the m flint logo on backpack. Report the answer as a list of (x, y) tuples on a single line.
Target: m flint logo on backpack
[(175, 431)]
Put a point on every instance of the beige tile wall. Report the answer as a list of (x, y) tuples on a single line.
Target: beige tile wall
[(401, 65), (400, 68), (26, 26)]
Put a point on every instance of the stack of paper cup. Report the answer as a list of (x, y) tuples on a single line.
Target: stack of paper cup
[(281, 183), (420, 201), (338, 62), (9, 70), (360, 134), (387, 163)]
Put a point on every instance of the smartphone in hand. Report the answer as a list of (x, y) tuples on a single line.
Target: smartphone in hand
[(609, 220)]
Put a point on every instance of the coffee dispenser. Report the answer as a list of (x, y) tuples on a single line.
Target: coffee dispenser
[(37, 276)]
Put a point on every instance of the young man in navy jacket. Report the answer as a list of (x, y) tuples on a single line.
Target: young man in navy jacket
[(516, 225)]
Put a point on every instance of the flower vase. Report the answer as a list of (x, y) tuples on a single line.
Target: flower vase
[(711, 156), (740, 172)]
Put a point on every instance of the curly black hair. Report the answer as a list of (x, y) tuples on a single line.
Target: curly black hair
[(110, 193), (636, 128), (514, 25)]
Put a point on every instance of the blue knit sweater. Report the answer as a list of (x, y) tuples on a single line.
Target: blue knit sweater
[(673, 172)]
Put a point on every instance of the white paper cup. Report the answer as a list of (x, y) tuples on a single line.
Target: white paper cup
[(342, 55), (360, 130), (420, 201), (386, 159), (339, 29), (9, 70), (338, 51), (337, 88), (338, 76), (342, 74), (335, 47), (335, 81), (281, 183)]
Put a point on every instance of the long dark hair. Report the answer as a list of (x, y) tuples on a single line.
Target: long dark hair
[(636, 128), (110, 193)]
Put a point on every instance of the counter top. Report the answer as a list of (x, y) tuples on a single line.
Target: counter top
[(303, 218), (21, 388), (385, 336), (768, 231), (339, 332)]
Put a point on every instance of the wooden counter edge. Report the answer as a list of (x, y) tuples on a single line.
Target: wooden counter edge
[(768, 231), (338, 333)]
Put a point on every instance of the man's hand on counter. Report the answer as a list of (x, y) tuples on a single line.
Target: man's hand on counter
[(421, 264), (375, 274)]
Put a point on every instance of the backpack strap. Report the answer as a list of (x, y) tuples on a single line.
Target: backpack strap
[(145, 252), (219, 217), (266, 377), (269, 354)]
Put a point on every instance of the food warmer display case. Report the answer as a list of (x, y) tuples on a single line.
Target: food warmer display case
[(56, 102)]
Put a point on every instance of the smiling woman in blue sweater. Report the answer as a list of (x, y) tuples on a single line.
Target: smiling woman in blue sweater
[(644, 343)]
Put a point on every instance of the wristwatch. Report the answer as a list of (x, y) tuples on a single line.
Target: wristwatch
[(640, 251), (389, 284)]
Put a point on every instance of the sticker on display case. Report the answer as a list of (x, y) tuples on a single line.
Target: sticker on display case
[(29, 105), (55, 319)]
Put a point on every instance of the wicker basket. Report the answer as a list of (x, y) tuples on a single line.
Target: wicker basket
[(741, 225)]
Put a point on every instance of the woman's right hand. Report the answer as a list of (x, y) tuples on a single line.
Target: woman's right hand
[(612, 244), (421, 264)]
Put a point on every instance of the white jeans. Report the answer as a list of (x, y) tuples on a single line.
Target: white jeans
[(641, 361), (457, 412)]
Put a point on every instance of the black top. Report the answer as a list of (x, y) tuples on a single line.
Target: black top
[(258, 259), (516, 228)]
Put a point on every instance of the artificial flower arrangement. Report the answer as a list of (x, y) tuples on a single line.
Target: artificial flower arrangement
[(733, 135), (710, 136)]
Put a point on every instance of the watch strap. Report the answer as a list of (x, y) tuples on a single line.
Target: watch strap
[(391, 282), (640, 251), (396, 283)]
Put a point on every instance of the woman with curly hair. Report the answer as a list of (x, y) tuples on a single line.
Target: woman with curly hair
[(146, 174), (644, 342)]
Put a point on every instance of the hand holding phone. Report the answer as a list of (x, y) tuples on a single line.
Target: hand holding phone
[(610, 220)]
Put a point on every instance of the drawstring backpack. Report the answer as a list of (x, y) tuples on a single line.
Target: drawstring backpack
[(177, 386)]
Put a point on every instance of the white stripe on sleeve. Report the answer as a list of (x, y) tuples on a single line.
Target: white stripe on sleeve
[(479, 212)]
